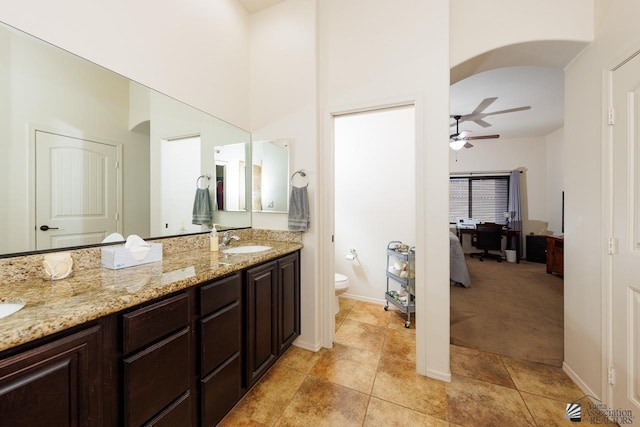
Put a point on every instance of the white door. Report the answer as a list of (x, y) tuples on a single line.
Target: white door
[(626, 229), (76, 191)]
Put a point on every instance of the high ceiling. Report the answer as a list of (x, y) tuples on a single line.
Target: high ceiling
[(540, 88), (253, 6)]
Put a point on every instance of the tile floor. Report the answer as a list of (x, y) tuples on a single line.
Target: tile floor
[(368, 379)]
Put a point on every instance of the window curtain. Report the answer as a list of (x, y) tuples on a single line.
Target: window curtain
[(515, 222)]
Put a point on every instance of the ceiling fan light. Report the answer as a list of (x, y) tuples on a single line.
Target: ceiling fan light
[(457, 144)]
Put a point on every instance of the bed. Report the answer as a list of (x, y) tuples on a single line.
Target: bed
[(458, 273)]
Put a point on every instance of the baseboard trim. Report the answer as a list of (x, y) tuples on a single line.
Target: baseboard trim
[(437, 375), (364, 299), (576, 379), (306, 345)]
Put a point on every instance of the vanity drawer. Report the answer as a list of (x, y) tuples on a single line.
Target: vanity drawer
[(220, 293), (220, 337), (155, 377), (148, 324)]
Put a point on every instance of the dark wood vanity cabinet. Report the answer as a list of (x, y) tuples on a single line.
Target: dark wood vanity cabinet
[(181, 360), (272, 295), (288, 300), (59, 383), (220, 348), (157, 366)]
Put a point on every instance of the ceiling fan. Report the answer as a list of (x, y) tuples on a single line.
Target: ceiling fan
[(477, 115), (460, 140)]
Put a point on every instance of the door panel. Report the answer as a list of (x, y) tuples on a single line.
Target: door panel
[(76, 191), (626, 229)]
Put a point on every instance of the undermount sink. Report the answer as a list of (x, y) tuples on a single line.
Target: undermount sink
[(7, 308), (249, 249)]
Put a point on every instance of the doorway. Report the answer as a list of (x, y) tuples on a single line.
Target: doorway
[(374, 176)]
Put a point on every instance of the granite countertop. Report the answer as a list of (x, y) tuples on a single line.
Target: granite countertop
[(53, 306)]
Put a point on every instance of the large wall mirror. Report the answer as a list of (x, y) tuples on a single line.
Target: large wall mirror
[(270, 174), (85, 152)]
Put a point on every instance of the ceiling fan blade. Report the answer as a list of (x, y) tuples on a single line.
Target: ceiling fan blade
[(510, 110), (468, 145), (482, 123), (483, 137), (483, 105)]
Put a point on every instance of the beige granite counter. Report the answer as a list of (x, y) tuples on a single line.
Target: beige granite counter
[(52, 306)]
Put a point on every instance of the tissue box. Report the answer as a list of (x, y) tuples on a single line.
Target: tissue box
[(116, 257)]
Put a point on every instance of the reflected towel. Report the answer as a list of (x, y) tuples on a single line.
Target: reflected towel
[(202, 207), (299, 209)]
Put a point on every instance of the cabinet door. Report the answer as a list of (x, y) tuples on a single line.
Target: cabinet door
[(155, 377), (54, 384), (261, 328), (288, 300)]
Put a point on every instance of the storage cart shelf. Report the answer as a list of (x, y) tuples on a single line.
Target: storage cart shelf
[(400, 271)]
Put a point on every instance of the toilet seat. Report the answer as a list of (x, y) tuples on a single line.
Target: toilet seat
[(341, 281)]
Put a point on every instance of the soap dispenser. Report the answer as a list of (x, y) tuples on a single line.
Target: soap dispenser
[(213, 239)]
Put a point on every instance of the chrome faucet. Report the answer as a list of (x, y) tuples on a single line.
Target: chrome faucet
[(226, 238)]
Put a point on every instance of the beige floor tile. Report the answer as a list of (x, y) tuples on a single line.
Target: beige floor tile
[(398, 382), (400, 344), (320, 403), (361, 335), (346, 304), (387, 414), (265, 402), (479, 365), (234, 419), (543, 380), (299, 359), (477, 403), (549, 412), (397, 320), (347, 366), (371, 313)]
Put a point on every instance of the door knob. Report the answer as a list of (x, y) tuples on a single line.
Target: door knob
[(46, 227)]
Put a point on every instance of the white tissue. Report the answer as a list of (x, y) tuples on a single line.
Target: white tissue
[(113, 237), (137, 246), (349, 256)]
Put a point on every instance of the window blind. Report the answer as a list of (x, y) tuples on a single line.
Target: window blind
[(483, 198)]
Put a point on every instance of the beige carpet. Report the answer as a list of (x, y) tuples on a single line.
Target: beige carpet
[(510, 309)]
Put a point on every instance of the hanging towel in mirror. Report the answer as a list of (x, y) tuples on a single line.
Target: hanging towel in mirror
[(299, 209), (202, 207)]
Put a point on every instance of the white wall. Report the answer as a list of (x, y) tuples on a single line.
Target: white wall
[(283, 105), (372, 53), (555, 180), (197, 51), (505, 22), (374, 194), (585, 248)]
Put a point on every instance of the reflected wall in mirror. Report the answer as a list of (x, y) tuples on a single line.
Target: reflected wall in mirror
[(84, 152), (270, 174), (231, 177)]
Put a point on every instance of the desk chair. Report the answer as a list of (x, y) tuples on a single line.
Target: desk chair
[(488, 238)]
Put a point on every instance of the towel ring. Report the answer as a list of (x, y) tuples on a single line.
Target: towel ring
[(300, 172), (207, 176)]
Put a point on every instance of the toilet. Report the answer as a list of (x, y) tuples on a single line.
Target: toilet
[(342, 284)]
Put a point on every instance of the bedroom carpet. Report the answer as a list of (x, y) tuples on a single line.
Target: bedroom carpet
[(510, 309)]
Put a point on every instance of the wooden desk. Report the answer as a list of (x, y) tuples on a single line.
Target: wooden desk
[(511, 235)]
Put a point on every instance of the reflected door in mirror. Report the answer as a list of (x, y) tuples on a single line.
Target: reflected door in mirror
[(76, 191)]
